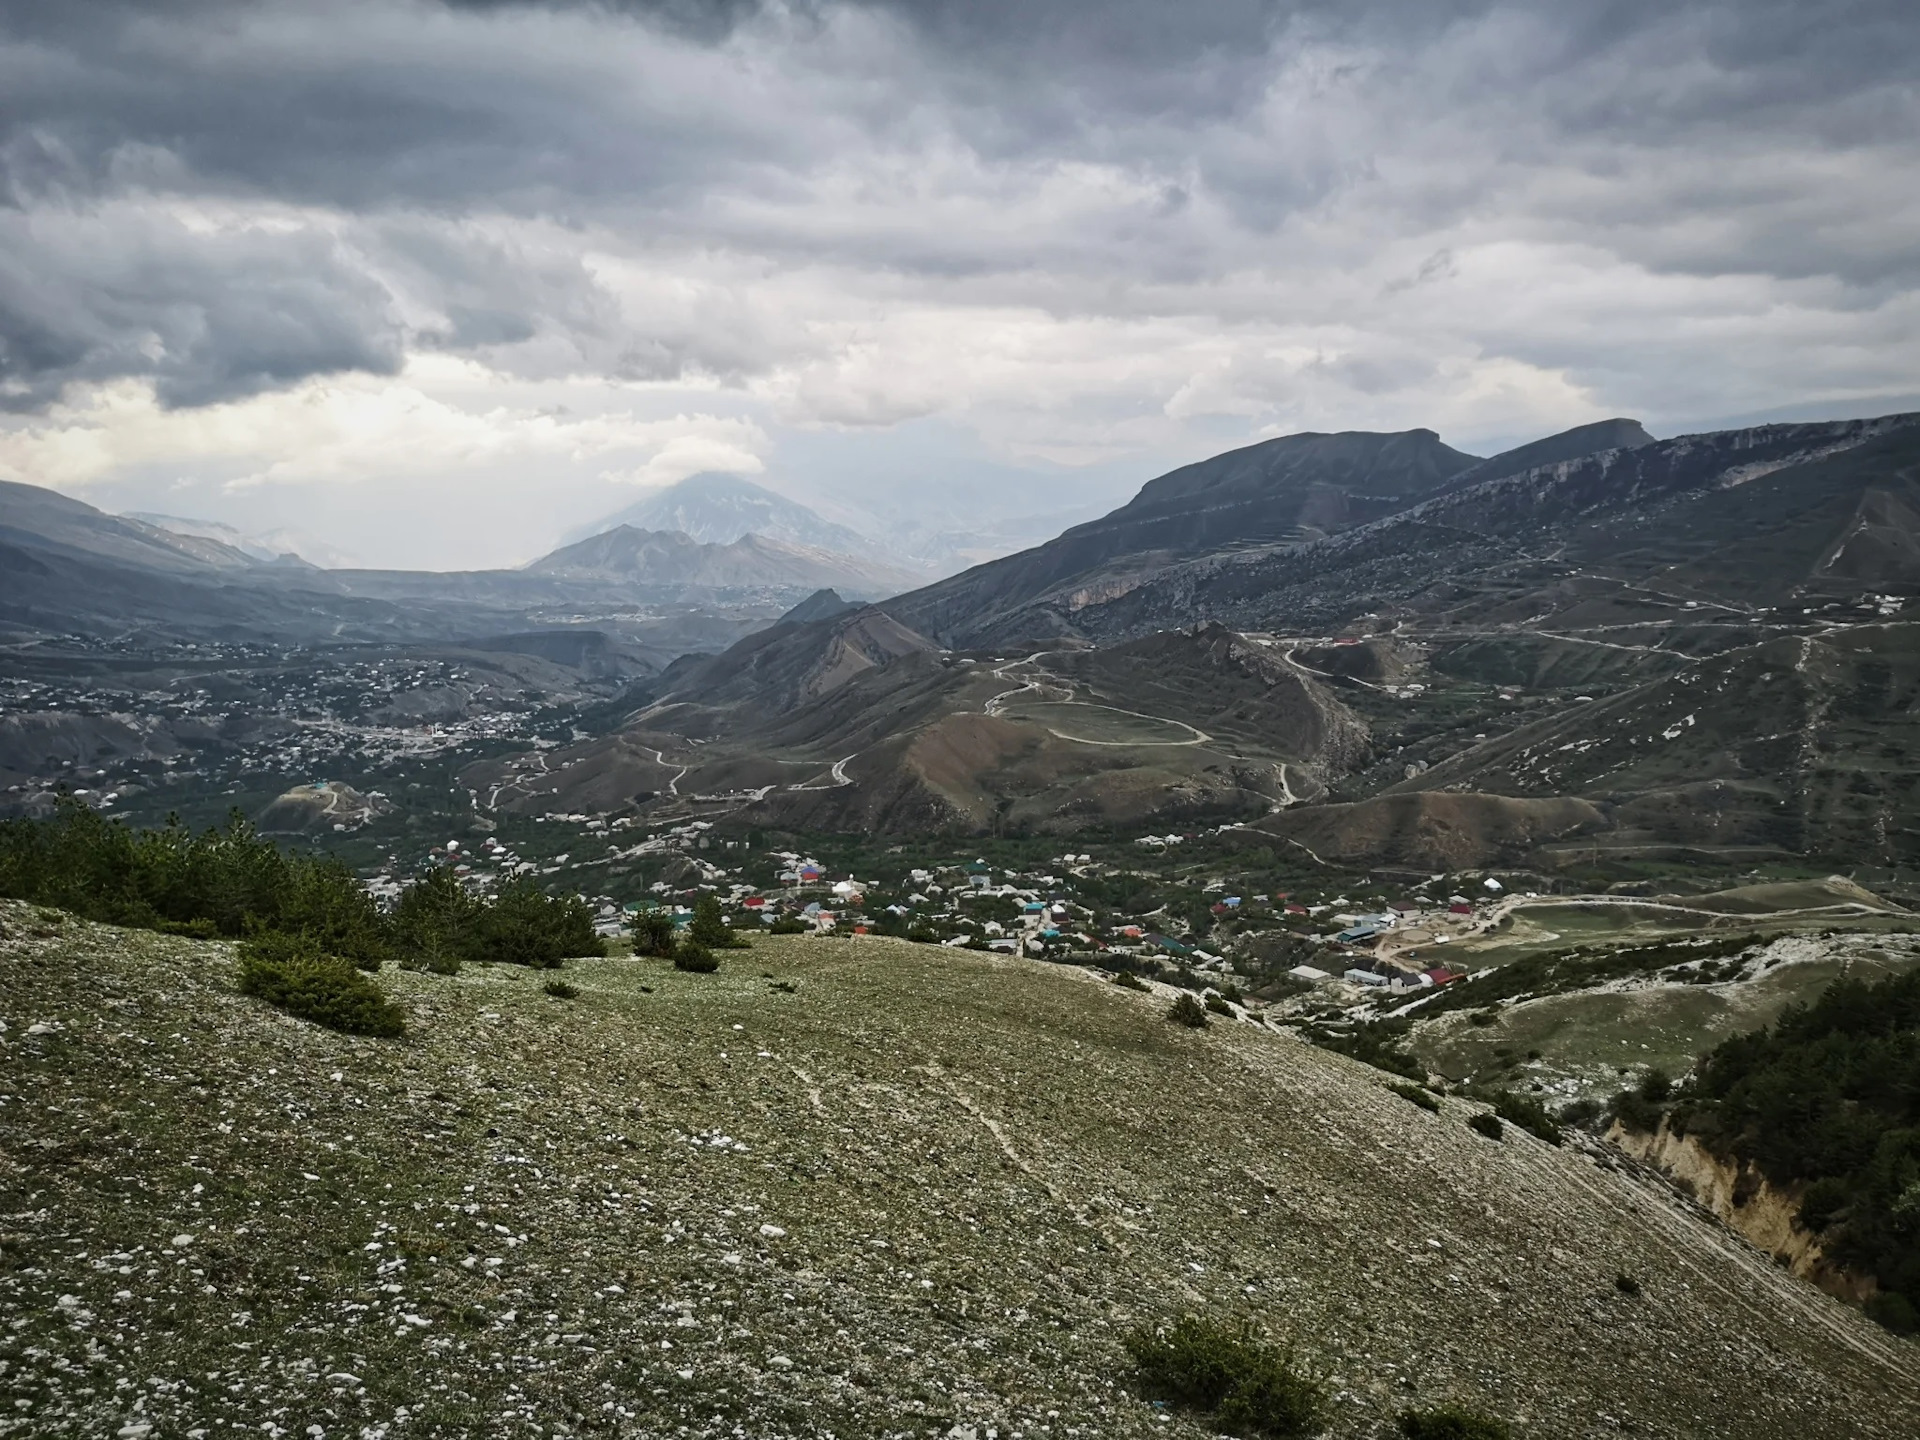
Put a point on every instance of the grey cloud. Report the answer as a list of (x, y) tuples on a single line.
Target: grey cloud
[(205, 318), (1643, 129)]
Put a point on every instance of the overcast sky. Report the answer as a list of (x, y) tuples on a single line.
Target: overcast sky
[(432, 282)]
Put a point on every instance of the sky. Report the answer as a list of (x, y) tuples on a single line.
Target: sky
[(432, 282)]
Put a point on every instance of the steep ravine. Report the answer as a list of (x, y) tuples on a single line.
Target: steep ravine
[(1745, 1201)]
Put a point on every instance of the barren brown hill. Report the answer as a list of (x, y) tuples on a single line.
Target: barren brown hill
[(1435, 830)]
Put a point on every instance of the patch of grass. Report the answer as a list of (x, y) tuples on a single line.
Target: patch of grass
[(292, 973), (1485, 1124), (560, 990), (1450, 1423), (1189, 1012), (1245, 1386)]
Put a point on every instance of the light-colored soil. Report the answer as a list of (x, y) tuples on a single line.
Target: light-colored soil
[(924, 1191)]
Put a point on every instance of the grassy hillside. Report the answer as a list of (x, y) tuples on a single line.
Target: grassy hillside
[(847, 1188)]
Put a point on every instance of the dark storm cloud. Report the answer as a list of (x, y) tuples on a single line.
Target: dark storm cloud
[(206, 318), (375, 133)]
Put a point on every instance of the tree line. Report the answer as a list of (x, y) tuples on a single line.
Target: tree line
[(308, 927)]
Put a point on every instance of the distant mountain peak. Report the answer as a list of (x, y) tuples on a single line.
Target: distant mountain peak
[(717, 508)]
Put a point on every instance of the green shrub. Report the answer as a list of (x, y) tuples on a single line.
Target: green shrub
[(1127, 980), (695, 957), (1825, 1198), (523, 925), (1643, 1107), (789, 926), (1418, 1096), (1247, 1387), (1482, 1123), (1580, 1112), (1526, 1112), (1893, 1310), (1377, 1044), (560, 990), (1219, 1006), (1188, 1011), (293, 973), (652, 929), (1483, 1017), (1449, 1423)]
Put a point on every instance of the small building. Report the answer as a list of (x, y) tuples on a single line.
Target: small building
[(1309, 972), (1365, 977)]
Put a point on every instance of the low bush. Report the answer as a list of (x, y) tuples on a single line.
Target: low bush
[(1245, 1386), (294, 974), (1580, 1112), (1377, 1044), (694, 957), (789, 927), (1424, 1099), (523, 925), (560, 990), (1526, 1112), (1450, 1423), (1127, 980), (1219, 1006), (1643, 1107), (652, 931), (1482, 1123), (1189, 1012), (1626, 1284)]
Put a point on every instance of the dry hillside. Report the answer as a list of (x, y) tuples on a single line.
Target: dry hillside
[(890, 1191)]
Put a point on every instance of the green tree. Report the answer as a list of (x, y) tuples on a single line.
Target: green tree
[(710, 928), (435, 922)]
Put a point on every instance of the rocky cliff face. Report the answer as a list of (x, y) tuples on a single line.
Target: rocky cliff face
[(1744, 1200)]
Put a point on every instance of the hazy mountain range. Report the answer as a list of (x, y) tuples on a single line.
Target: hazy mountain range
[(1374, 646)]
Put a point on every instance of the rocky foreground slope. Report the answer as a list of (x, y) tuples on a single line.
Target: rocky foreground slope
[(848, 1188)]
